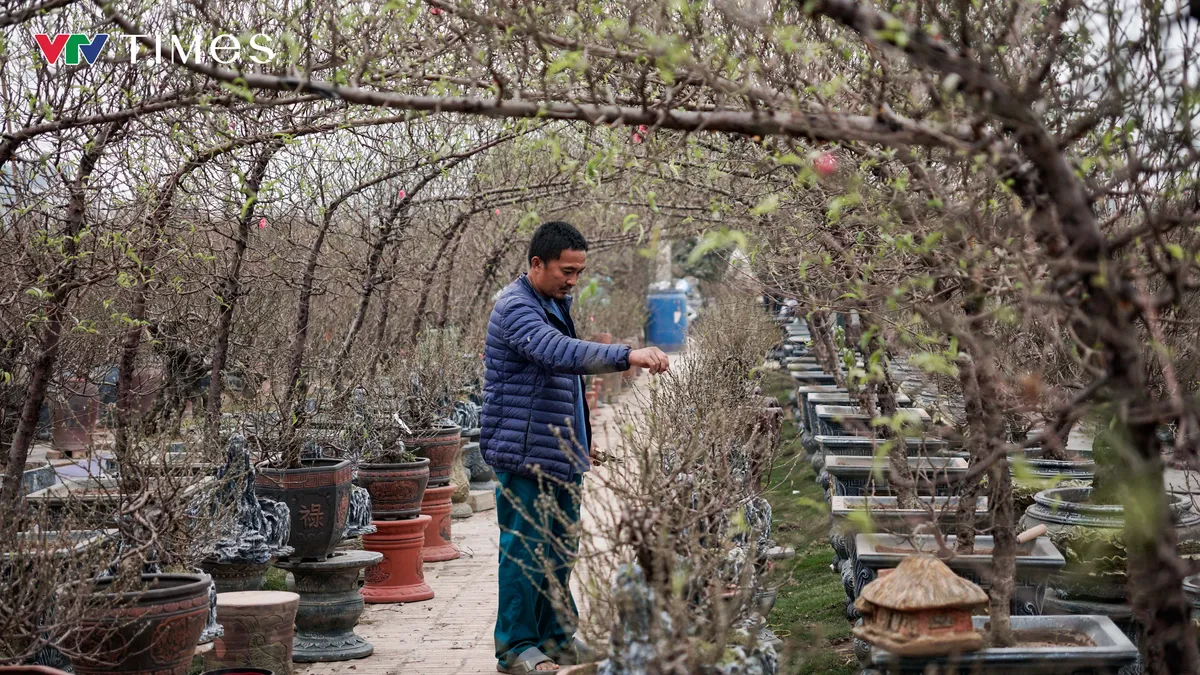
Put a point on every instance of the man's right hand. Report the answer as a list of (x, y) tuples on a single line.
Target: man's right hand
[(650, 358)]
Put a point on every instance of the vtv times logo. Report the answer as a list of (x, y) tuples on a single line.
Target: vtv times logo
[(224, 49)]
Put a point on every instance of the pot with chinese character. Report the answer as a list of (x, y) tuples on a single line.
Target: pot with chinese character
[(318, 498)]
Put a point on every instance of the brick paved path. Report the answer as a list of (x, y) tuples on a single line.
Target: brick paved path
[(452, 633)]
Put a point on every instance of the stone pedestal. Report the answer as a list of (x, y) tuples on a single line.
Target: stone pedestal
[(329, 607), (436, 505), (461, 511), (399, 576), (235, 577), (259, 629)]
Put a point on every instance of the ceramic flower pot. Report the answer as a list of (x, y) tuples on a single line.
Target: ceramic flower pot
[(440, 446), (396, 489), (318, 498), (149, 631)]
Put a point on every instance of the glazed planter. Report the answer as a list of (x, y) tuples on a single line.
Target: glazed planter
[(236, 577), (318, 497), (859, 476), (438, 546), (1110, 652), (329, 608), (1081, 468), (440, 445), (1092, 535), (396, 489), (153, 631), (1035, 563), (399, 576), (259, 630)]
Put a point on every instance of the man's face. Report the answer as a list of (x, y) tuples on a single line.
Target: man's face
[(558, 277)]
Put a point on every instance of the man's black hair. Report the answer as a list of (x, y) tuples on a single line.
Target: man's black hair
[(554, 237)]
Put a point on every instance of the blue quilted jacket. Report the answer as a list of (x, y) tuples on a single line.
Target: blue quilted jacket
[(532, 362)]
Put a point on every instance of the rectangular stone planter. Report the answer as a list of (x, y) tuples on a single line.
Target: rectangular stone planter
[(836, 419), (849, 514), (803, 416), (859, 476), (832, 396), (37, 476), (1112, 651), (1036, 561), (94, 500)]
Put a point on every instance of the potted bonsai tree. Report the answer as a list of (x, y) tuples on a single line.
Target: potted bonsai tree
[(393, 474), (420, 388)]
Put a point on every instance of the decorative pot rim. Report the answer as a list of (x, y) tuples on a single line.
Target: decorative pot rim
[(189, 584), (1053, 505), (428, 432), (393, 466), (310, 465)]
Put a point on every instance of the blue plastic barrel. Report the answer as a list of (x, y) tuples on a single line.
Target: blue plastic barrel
[(666, 323)]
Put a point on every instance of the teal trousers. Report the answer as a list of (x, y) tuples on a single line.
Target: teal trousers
[(538, 545)]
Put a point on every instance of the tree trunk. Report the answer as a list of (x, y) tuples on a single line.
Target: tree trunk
[(62, 285), (231, 290), (1004, 553)]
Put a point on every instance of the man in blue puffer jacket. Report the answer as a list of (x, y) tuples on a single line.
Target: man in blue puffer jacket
[(536, 433)]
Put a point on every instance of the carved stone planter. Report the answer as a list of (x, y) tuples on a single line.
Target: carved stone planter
[(37, 476), (847, 514), (318, 498), (396, 489), (480, 473), (1109, 652), (153, 631), (859, 476), (845, 420), (235, 577), (1036, 561), (438, 546), (259, 629), (329, 607), (440, 446), (399, 576)]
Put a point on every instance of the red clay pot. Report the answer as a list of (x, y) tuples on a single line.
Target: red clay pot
[(153, 631), (396, 489), (400, 576), (436, 505), (441, 447)]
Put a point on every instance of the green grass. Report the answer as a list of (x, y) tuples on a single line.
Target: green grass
[(275, 580), (809, 612)]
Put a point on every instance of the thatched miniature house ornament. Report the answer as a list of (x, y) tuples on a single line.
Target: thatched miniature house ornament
[(920, 609)]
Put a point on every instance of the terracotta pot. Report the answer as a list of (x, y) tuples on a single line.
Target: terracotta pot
[(318, 496), (440, 446), (438, 546), (396, 489), (400, 576), (153, 631), (259, 627)]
